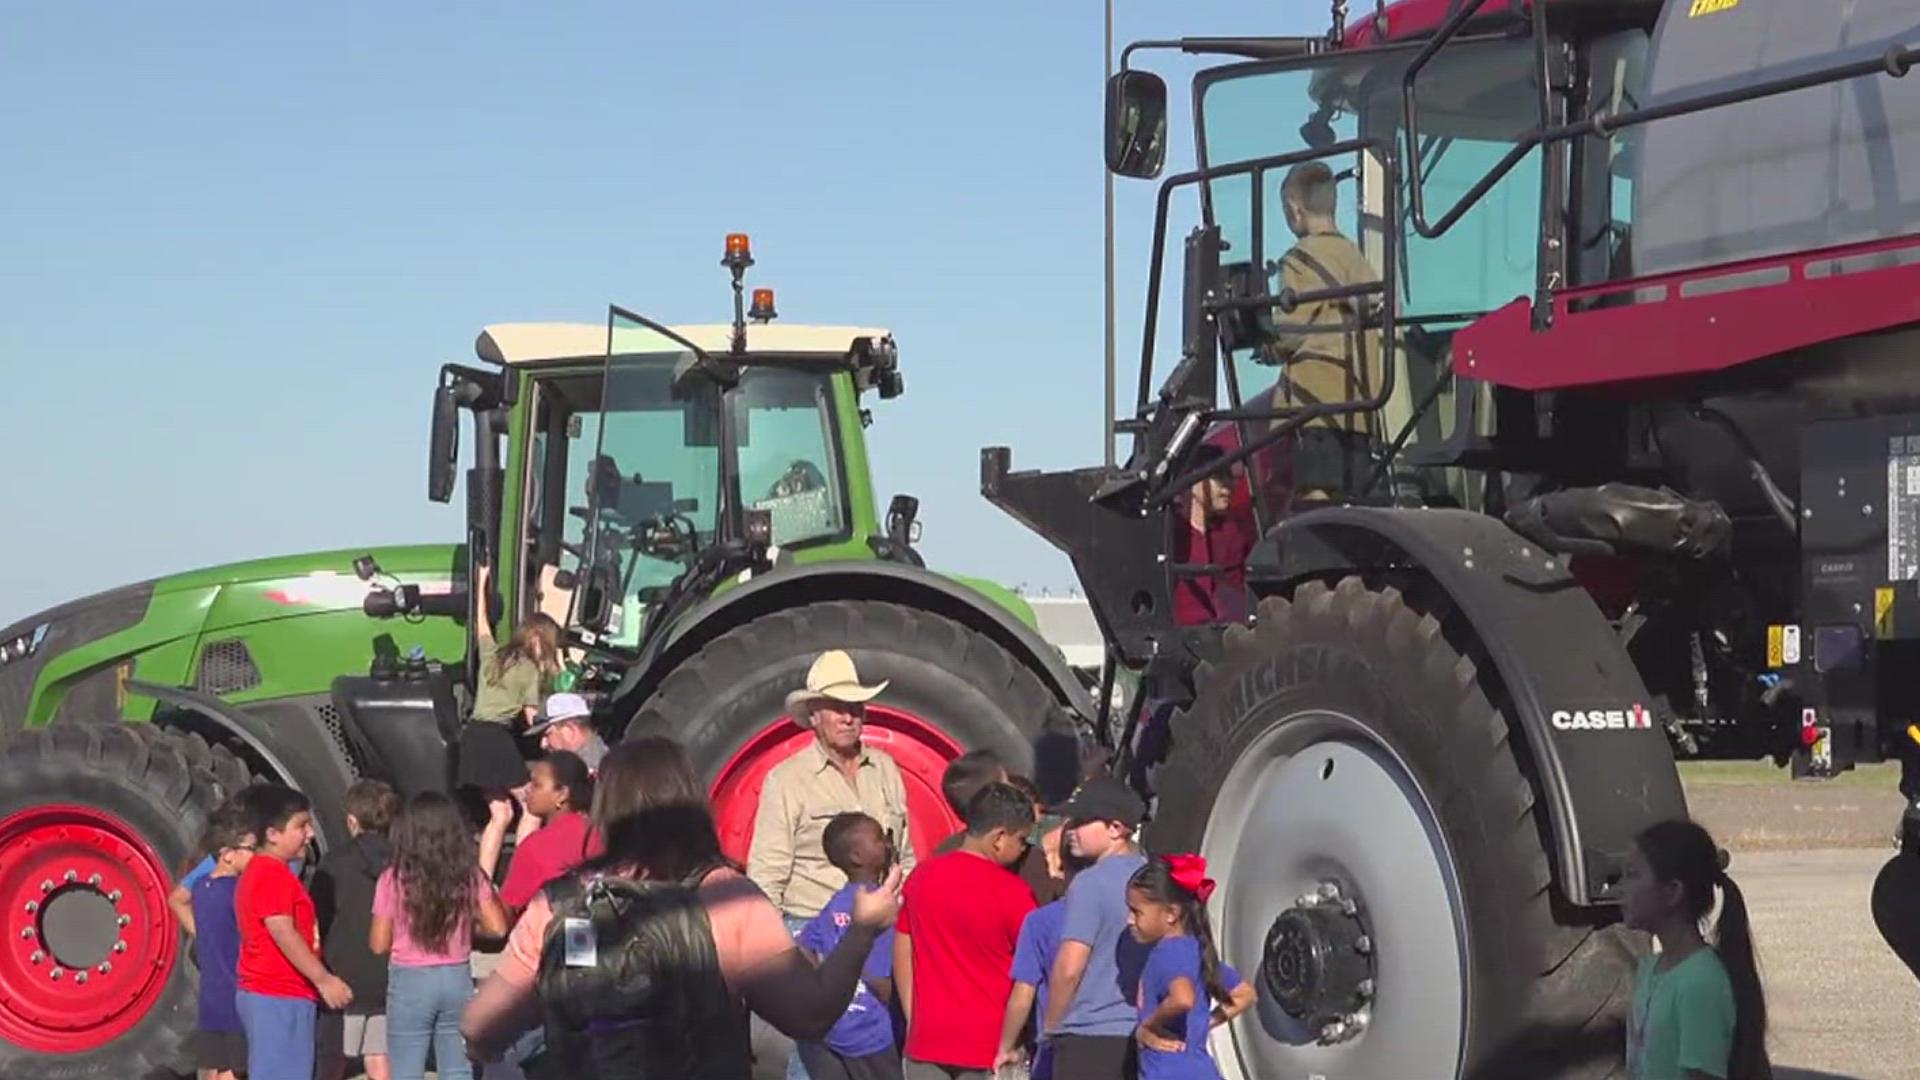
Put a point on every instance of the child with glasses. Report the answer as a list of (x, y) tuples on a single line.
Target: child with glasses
[(219, 1043)]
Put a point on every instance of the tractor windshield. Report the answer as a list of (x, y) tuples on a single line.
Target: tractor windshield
[(655, 479), (1475, 99)]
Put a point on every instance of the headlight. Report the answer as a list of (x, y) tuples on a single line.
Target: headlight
[(23, 646)]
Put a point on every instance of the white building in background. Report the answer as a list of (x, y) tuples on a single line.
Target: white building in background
[(1068, 625)]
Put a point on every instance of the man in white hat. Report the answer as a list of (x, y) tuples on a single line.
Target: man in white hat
[(832, 774), (567, 724)]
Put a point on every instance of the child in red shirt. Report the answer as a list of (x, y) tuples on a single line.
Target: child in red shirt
[(281, 977), (558, 799), (956, 935)]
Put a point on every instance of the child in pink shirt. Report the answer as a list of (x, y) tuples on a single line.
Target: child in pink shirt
[(424, 910)]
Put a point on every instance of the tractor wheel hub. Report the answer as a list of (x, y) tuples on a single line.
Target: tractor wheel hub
[(1318, 964)]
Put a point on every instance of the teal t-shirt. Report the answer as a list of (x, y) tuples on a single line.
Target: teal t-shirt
[(1682, 1019)]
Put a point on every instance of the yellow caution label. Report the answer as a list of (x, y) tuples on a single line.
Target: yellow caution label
[(1776, 646), (1710, 7), (1883, 612)]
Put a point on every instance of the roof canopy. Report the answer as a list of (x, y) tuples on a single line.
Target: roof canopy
[(534, 343)]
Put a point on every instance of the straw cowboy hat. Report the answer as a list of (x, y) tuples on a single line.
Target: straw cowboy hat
[(832, 677)]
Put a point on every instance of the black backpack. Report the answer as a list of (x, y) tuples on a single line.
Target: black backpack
[(642, 998)]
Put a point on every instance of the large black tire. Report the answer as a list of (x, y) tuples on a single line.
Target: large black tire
[(162, 786), (954, 677), (959, 680), (1545, 994)]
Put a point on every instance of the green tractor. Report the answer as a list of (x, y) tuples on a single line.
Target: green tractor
[(692, 502)]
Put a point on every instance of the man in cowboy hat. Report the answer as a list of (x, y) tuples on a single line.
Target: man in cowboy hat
[(834, 773)]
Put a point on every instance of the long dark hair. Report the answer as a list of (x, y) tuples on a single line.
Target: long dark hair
[(652, 813), (1681, 851), (1155, 882), (536, 641), (435, 864)]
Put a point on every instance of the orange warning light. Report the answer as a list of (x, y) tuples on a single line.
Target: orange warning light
[(762, 306)]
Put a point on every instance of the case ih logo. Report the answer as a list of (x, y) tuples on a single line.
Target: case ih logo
[(1632, 717)]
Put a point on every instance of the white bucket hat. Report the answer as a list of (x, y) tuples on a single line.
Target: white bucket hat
[(832, 677)]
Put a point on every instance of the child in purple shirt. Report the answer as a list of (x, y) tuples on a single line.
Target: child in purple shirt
[(1184, 978), (219, 1041), (860, 1046)]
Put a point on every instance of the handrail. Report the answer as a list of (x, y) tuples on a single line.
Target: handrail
[(1416, 187), (1895, 62), (1290, 418)]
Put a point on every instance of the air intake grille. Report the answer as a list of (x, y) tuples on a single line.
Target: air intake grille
[(330, 716), (226, 667)]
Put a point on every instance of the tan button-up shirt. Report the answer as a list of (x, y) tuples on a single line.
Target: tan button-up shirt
[(787, 859), (1326, 357)]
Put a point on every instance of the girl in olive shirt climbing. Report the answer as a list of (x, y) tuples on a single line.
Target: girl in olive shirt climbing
[(512, 679)]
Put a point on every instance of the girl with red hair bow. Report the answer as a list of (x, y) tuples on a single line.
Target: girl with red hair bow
[(1185, 991)]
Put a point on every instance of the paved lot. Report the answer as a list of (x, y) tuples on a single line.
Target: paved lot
[(1841, 1005)]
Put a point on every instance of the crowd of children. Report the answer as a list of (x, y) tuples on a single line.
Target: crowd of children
[(1033, 941)]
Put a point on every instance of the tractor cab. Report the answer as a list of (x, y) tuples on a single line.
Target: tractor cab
[(647, 466), (1449, 223), (664, 461)]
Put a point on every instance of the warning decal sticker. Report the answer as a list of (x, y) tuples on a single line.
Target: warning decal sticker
[(1903, 508)]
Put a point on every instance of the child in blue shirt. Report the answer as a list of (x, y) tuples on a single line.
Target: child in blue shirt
[(220, 1044), (1032, 961), (861, 1045), (1185, 991)]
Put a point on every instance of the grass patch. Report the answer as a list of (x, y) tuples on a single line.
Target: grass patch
[(1884, 775)]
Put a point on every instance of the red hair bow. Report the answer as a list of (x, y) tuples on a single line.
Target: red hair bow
[(1190, 873)]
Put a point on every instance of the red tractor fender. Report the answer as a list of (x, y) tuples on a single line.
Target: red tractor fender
[(1600, 759)]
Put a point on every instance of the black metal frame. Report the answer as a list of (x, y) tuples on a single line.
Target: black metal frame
[(1555, 130), (1163, 439)]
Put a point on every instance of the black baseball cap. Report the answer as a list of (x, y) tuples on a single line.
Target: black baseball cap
[(1103, 798)]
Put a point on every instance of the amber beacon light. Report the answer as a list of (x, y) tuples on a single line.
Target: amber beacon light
[(739, 254)]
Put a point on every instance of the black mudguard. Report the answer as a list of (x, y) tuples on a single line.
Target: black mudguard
[(1603, 764), (280, 740), (894, 582)]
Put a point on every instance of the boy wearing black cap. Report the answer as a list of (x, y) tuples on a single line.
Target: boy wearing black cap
[(1090, 1013)]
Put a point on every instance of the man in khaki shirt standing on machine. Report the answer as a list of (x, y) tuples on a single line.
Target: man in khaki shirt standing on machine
[(833, 774), (1325, 353)]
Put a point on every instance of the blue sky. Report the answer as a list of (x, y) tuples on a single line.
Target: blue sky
[(237, 244)]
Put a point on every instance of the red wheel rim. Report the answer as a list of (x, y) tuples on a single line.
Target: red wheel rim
[(919, 748), (79, 881)]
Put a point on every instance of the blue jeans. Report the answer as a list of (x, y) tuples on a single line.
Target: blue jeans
[(796, 1068), (279, 1036), (423, 1010)]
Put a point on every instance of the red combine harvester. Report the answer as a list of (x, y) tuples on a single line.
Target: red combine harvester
[(1666, 503)]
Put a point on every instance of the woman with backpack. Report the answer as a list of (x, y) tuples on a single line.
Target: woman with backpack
[(651, 955)]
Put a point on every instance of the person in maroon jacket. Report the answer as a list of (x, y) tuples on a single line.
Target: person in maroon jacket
[(1214, 530)]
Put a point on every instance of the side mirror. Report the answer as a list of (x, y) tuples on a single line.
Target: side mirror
[(443, 445), (1136, 124)]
